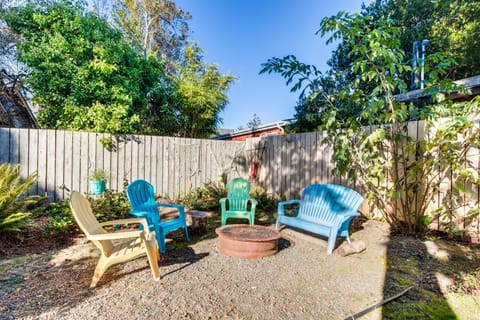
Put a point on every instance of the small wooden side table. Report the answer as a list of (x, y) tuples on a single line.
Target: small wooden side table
[(197, 220)]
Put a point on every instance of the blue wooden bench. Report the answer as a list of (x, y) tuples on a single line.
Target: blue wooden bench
[(324, 209)]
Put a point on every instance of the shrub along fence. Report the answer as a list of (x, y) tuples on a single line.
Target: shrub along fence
[(284, 164)]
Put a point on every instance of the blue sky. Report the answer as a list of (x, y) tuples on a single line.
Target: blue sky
[(240, 35)]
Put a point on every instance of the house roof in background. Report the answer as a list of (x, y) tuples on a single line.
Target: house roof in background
[(278, 124), (472, 83)]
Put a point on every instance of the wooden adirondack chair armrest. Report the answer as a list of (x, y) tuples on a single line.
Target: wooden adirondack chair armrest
[(141, 221), (116, 235)]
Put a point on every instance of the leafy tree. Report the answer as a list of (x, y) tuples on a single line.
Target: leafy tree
[(13, 208), (254, 122), (451, 26), (399, 172), (156, 27), (85, 76), (202, 90)]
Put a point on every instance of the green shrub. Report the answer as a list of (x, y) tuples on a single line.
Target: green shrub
[(98, 175), (59, 214), (13, 203), (265, 202), (110, 206), (204, 198)]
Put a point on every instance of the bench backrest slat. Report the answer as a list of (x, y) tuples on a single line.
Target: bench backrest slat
[(322, 202)]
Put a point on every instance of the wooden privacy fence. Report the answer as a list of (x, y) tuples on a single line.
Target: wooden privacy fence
[(286, 163), (173, 165)]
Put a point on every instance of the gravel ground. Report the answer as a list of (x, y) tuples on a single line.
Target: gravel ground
[(300, 282)]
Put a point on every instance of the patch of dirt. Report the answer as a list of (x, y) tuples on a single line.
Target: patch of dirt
[(50, 280), (34, 240)]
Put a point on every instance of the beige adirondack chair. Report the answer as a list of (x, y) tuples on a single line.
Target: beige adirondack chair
[(116, 247)]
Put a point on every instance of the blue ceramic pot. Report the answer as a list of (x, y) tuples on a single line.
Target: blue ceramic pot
[(97, 186)]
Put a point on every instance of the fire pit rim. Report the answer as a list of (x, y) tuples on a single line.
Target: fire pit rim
[(221, 232)]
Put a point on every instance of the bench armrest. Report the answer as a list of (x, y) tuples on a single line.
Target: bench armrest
[(350, 214), (342, 217), (281, 205)]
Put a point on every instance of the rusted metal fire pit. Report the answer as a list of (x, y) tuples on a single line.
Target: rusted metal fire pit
[(247, 241)]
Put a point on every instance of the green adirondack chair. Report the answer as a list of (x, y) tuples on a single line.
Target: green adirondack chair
[(238, 203)]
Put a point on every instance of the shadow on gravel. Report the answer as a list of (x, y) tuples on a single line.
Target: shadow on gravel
[(184, 257), (284, 243), (43, 286)]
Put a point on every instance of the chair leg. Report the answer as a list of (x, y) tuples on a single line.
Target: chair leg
[(348, 239), (332, 239), (277, 224), (100, 269), (161, 245), (331, 245), (160, 239), (186, 234), (153, 258)]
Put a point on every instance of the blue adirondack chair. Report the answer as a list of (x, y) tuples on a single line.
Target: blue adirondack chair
[(142, 199), (324, 209), (235, 205)]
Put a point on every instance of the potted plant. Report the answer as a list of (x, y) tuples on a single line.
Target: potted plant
[(97, 181)]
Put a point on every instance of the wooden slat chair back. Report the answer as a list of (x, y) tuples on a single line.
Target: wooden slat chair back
[(115, 247), (238, 203)]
